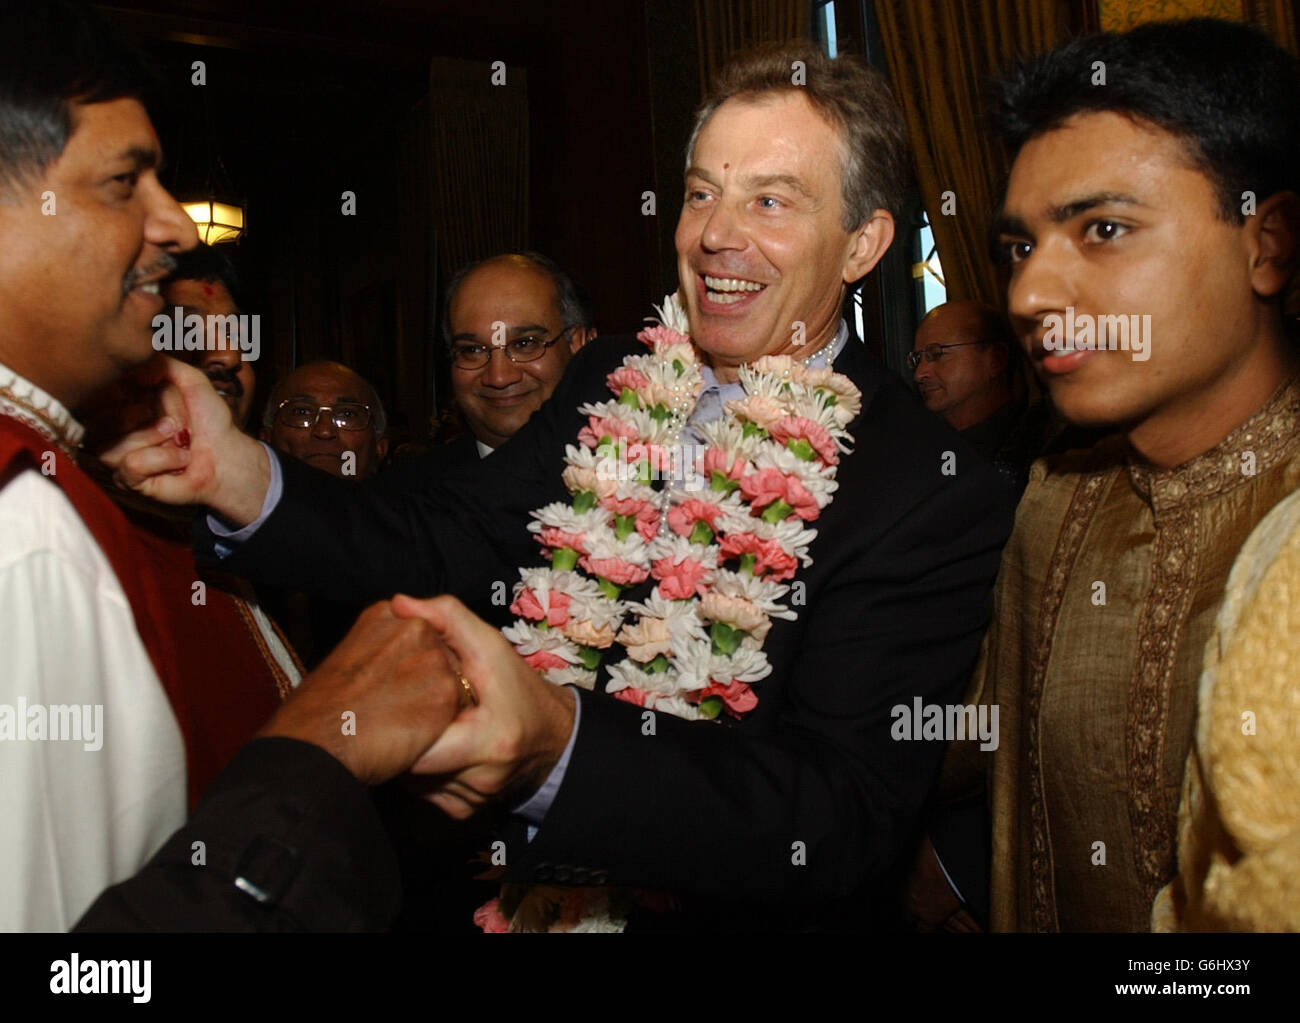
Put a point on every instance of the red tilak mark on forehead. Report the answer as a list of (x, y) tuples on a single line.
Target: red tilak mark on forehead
[(207, 289)]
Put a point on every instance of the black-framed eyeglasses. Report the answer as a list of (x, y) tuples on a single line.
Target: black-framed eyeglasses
[(933, 353), (298, 414), (468, 355)]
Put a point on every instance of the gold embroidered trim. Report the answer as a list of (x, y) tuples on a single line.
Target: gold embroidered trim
[(282, 684), (65, 435), (1174, 563), (1264, 440), (1087, 496)]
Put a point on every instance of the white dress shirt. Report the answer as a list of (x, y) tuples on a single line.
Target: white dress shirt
[(75, 819)]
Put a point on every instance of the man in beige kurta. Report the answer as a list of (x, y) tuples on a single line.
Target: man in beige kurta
[(1108, 591), (1149, 298)]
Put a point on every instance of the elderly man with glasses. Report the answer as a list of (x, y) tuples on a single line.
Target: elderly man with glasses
[(328, 416)]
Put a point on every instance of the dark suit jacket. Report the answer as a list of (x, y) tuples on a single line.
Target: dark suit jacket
[(808, 800), (289, 819)]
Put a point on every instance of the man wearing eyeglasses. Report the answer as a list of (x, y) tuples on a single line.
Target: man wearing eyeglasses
[(328, 416), (962, 366), (512, 323)]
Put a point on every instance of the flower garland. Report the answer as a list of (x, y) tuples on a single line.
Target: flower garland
[(721, 538)]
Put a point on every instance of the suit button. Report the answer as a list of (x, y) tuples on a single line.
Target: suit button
[(542, 872), (563, 874)]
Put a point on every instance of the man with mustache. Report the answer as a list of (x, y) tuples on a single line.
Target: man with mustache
[(205, 283), (1163, 198), (793, 815), (125, 697)]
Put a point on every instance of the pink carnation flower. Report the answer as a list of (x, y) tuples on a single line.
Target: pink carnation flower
[(715, 460), (605, 426), (737, 697), (799, 428), (659, 336), (683, 517), (630, 695), (645, 513), (770, 560), (526, 605), (616, 570), (679, 581), (550, 536), (544, 660), (626, 376), (768, 485), (489, 919)]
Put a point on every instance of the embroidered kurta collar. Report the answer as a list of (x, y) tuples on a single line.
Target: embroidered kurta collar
[(22, 400), (1254, 447)]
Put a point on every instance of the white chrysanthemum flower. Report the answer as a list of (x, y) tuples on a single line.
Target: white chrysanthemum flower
[(813, 406), (628, 674), (764, 594), (575, 676), (544, 580), (631, 548), (745, 665), (598, 609), (562, 516), (694, 662), (676, 706), (728, 436), (681, 617), (529, 639), (679, 548), (778, 456), (672, 315), (599, 923)]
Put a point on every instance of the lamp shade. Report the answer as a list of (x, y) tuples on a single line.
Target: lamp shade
[(217, 221)]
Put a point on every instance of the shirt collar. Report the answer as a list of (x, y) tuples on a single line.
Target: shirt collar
[(22, 400)]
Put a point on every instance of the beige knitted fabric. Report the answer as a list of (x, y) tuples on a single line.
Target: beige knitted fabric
[(1239, 821)]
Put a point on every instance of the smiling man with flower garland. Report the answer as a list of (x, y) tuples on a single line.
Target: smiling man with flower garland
[(829, 571)]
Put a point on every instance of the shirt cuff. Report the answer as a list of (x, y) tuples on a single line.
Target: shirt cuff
[(229, 539), (948, 877), (534, 810)]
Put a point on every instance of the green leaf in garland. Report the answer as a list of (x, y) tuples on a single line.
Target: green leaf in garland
[(624, 526), (801, 448), (660, 663), (564, 559), (628, 397), (659, 413), (606, 441), (711, 707), (643, 471), (584, 500), (753, 430), (701, 533), (543, 625), (589, 656), (726, 639), (776, 511), (677, 365), (611, 590), (747, 562), (721, 484)]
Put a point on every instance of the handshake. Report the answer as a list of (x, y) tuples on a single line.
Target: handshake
[(428, 687)]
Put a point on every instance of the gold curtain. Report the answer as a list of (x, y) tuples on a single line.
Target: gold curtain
[(1276, 17), (479, 154), (941, 57), (725, 26)]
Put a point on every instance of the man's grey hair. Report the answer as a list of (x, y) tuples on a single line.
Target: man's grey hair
[(855, 99), (278, 395), (574, 305)]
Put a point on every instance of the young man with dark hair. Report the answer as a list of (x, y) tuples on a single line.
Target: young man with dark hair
[(1161, 199)]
